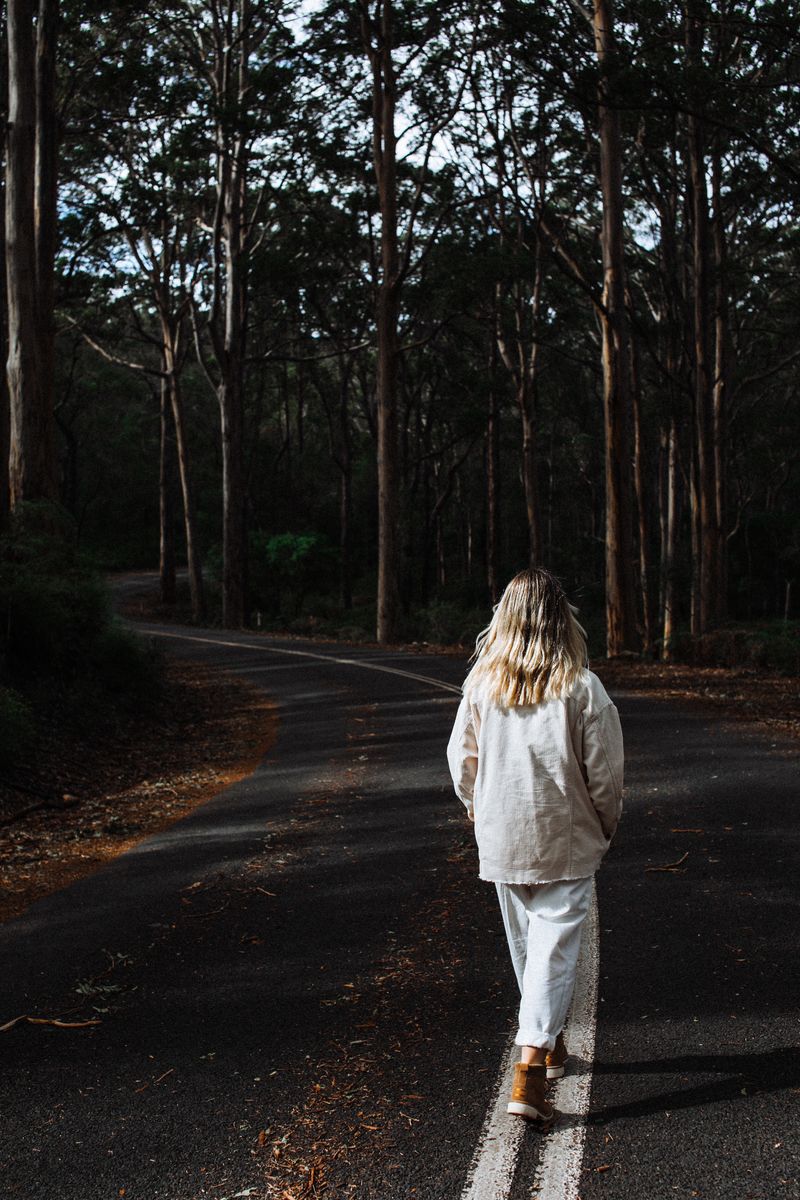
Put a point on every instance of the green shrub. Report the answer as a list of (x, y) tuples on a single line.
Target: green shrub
[(17, 726), (60, 646), (52, 601), (127, 663), (447, 622), (286, 567), (771, 645)]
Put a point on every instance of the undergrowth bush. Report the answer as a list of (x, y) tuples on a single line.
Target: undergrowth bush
[(772, 645), (61, 649), (17, 726)]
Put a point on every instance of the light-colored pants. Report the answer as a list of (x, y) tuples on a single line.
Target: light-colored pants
[(543, 924)]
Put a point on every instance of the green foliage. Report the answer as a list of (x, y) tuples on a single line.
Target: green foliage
[(523, 131), (285, 567)]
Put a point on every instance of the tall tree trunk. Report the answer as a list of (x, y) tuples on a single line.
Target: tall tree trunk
[(492, 478), (193, 561), (721, 373), (32, 467), (229, 328), (388, 500), (527, 408), (345, 538), (233, 515), (46, 190), (668, 477), (527, 403), (705, 485), (378, 44), (166, 499), (5, 416), (345, 497), (620, 604), (640, 488)]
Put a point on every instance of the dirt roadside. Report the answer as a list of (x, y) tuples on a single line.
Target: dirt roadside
[(103, 795), (739, 694)]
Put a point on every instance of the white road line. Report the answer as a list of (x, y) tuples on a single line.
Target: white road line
[(494, 1162), (348, 662), (491, 1172), (559, 1171)]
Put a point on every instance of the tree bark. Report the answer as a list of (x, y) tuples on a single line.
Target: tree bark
[(5, 416), (705, 484), (720, 392), (345, 497), (166, 499), (378, 44), (228, 315), (32, 467), (641, 491), (527, 409), (170, 335), (46, 190), (492, 478), (620, 606), (668, 478)]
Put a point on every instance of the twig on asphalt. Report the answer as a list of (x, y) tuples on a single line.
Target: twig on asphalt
[(670, 866), (55, 1021)]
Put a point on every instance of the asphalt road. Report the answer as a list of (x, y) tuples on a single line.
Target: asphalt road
[(309, 965)]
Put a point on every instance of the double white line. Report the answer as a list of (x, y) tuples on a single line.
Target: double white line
[(494, 1162)]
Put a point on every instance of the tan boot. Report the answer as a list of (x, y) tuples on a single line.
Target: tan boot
[(556, 1059), (527, 1094)]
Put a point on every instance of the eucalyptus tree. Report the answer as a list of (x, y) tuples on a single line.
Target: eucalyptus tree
[(716, 106), (138, 198), (398, 73), (239, 55), (32, 138), (543, 103), (336, 305)]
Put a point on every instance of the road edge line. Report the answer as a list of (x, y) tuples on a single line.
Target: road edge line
[(558, 1173), (491, 1172)]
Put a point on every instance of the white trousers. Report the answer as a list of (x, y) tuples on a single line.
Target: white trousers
[(543, 923)]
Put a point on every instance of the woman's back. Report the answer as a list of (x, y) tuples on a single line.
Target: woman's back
[(543, 782)]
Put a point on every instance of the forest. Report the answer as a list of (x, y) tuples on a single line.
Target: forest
[(352, 309)]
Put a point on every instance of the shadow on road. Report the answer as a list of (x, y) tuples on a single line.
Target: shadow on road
[(745, 1076)]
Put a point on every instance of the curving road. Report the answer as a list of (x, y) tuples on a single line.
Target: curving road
[(306, 971)]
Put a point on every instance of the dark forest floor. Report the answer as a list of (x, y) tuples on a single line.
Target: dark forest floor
[(103, 793), (736, 693)]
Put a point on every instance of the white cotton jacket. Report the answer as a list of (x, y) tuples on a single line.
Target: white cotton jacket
[(542, 782)]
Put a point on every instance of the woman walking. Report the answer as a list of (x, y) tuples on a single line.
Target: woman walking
[(536, 757)]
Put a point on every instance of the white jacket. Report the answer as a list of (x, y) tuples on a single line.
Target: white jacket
[(543, 782)]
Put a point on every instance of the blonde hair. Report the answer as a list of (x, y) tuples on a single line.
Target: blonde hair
[(533, 648)]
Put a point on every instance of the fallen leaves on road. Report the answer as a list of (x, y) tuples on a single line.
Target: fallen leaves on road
[(359, 1104)]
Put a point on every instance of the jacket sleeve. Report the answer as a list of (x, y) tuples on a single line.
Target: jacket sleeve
[(603, 763), (462, 755)]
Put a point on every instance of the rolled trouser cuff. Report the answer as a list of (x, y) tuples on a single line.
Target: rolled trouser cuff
[(535, 1037)]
